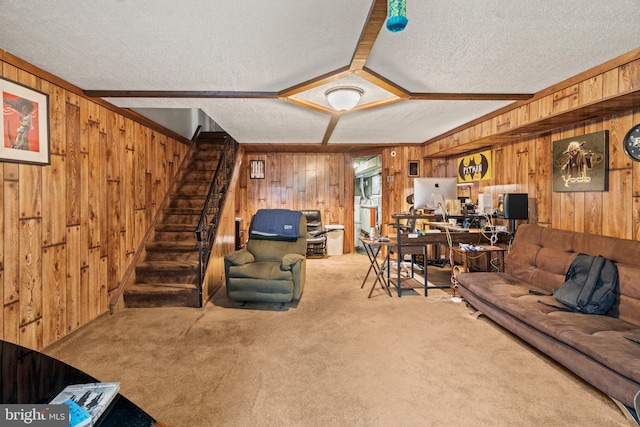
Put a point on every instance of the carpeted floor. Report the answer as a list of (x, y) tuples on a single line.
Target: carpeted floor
[(338, 358)]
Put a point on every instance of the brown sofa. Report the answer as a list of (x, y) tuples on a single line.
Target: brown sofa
[(592, 346)]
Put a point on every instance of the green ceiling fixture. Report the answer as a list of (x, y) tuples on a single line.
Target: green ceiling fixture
[(397, 16)]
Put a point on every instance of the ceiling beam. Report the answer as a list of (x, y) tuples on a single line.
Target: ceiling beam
[(310, 105), (435, 96), (382, 82), (375, 21), (304, 87), (315, 82), (330, 128), (352, 148), (177, 94)]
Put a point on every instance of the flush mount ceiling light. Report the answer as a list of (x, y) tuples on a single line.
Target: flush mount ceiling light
[(344, 98)]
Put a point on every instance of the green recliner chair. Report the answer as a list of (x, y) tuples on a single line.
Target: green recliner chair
[(272, 268)]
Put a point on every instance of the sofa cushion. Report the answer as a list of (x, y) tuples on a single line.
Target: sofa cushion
[(541, 256), (248, 289), (260, 270), (605, 343), (240, 257)]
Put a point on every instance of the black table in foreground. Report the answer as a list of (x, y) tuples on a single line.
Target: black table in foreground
[(30, 377)]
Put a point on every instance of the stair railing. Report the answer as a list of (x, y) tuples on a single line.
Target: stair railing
[(209, 219)]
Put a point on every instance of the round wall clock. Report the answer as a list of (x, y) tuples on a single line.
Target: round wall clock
[(631, 143)]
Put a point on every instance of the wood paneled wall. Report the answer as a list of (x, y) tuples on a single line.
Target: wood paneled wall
[(69, 229), (301, 181), (396, 183), (609, 88), (526, 166)]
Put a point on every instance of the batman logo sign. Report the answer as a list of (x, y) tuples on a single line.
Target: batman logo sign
[(473, 167)]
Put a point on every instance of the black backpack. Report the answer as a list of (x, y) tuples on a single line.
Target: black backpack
[(590, 286)]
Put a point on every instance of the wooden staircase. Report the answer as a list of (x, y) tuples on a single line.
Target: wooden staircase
[(168, 275)]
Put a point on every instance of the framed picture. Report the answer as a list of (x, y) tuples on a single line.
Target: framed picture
[(25, 124), (256, 169), (580, 163), (414, 168)]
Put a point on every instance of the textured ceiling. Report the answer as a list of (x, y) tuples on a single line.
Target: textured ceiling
[(248, 47)]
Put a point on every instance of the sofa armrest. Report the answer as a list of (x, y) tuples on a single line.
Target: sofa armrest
[(289, 260), (316, 233), (240, 257)]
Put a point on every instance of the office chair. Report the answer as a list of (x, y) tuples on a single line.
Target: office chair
[(316, 233)]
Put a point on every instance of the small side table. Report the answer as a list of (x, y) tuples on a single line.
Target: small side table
[(493, 261), (373, 247)]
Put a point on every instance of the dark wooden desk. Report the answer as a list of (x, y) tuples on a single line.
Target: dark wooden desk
[(408, 245), (416, 243), (31, 377)]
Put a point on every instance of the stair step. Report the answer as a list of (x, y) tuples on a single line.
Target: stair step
[(183, 251), (189, 210), (161, 287), (161, 295), (200, 175), (170, 271), (207, 164), (181, 218), (174, 228), (191, 189), (195, 188), (167, 266), (210, 137), (176, 235), (200, 161), (171, 246), (211, 151), (186, 256), (187, 202), (210, 145), (196, 178)]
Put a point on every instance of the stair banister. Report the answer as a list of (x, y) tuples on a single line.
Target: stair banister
[(209, 218)]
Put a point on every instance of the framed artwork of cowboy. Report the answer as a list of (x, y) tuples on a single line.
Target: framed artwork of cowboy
[(25, 124), (580, 163)]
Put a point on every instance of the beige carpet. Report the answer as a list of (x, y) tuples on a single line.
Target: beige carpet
[(337, 359)]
